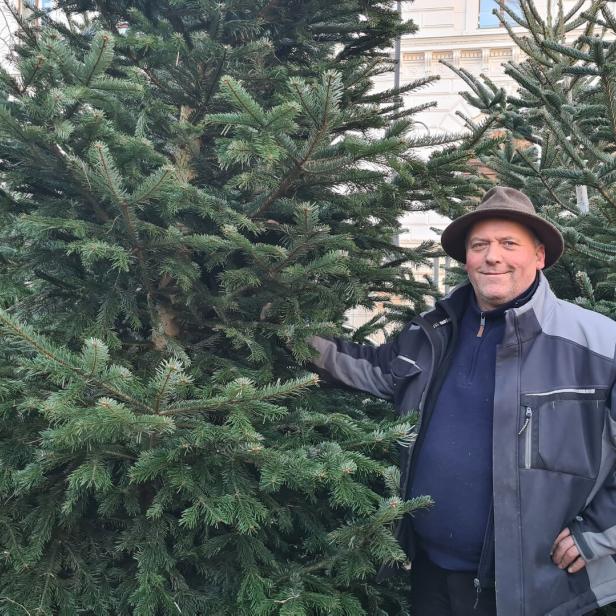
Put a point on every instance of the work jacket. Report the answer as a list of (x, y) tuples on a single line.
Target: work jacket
[(554, 438)]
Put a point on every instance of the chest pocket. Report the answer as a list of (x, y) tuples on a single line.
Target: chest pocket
[(561, 430), (403, 368), (404, 371)]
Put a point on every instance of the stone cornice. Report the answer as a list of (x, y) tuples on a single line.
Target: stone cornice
[(493, 37)]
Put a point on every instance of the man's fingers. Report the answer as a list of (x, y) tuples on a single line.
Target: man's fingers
[(566, 554), (577, 565), (565, 532), (561, 549), (569, 557)]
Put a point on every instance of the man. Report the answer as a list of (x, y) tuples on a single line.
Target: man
[(516, 432)]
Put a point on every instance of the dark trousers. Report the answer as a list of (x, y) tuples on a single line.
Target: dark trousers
[(438, 592)]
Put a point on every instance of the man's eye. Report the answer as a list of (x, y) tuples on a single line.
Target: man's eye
[(478, 245), (509, 243)]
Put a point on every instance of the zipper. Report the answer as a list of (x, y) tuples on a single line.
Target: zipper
[(482, 325), (427, 400), (591, 390), (408, 360), (485, 570), (477, 585), (409, 462), (528, 442)]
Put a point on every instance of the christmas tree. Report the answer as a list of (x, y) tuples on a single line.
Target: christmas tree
[(558, 133), (190, 190)]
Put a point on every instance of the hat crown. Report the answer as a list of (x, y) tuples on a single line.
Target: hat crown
[(504, 198)]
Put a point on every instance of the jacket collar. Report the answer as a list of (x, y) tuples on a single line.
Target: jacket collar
[(535, 311), (529, 315), (498, 312)]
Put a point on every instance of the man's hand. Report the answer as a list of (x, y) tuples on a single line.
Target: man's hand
[(565, 553)]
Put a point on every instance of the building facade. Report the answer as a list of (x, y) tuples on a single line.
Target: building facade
[(468, 35)]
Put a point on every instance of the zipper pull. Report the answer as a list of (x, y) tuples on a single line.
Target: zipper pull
[(482, 325), (528, 415), (477, 585)]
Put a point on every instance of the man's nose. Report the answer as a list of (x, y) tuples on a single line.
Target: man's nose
[(493, 252)]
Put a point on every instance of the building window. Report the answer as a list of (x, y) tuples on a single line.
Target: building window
[(24, 6), (487, 18)]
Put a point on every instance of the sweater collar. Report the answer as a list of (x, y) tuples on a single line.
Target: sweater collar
[(499, 311), (531, 312), (537, 298)]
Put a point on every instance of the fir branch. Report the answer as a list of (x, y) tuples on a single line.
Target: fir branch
[(545, 183), (589, 146), (609, 17), (537, 18), (297, 169), (607, 79), (148, 72), (295, 87), (169, 372), (570, 52), (220, 404), (62, 284), (200, 112), (64, 359), (525, 44), (105, 41), (562, 138), (9, 600), (111, 177), (609, 198), (138, 247), (32, 76), (574, 9), (538, 29), (48, 575), (120, 455), (240, 95), (413, 86), (151, 186)]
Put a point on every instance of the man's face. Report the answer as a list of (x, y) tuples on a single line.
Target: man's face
[(502, 260)]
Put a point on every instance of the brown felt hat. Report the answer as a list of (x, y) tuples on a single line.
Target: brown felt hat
[(503, 202)]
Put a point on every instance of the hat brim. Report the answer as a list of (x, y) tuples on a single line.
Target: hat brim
[(453, 238)]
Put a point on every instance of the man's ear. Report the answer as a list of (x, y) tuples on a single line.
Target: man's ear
[(540, 256)]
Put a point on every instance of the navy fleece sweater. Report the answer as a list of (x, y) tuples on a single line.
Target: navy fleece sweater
[(454, 464)]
